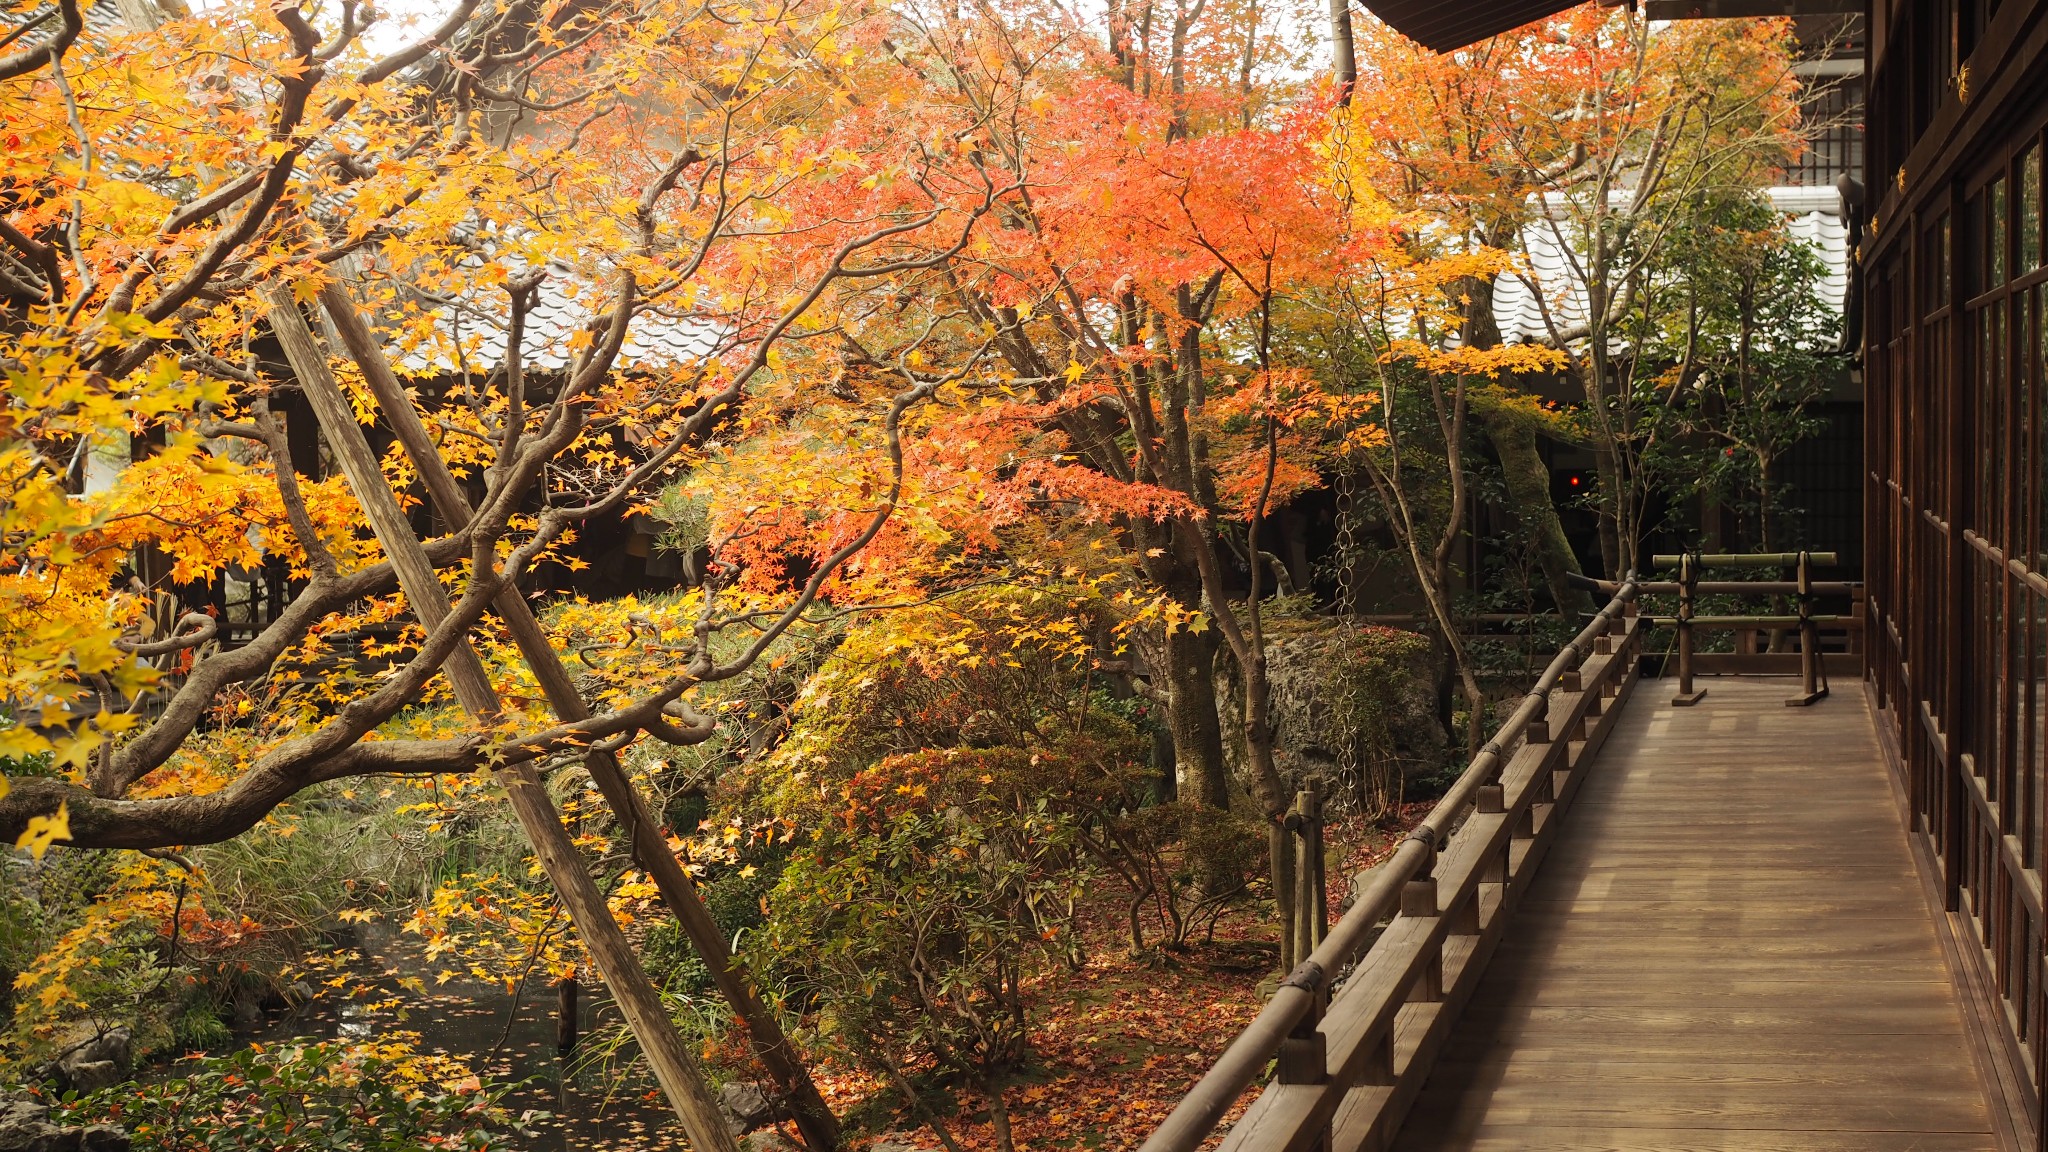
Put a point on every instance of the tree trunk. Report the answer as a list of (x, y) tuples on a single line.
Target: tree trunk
[(1294, 523), (1766, 539), (1269, 791), (1165, 767), (1528, 493), (1608, 468), (1191, 716), (999, 1116), (568, 1025)]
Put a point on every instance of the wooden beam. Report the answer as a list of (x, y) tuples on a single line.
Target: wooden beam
[(643, 832), (674, 1067), (1733, 9)]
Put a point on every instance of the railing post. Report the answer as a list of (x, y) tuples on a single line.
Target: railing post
[(1311, 896), (1419, 899), (1492, 801), (1811, 687), (1575, 681), (1688, 582), (1304, 1056)]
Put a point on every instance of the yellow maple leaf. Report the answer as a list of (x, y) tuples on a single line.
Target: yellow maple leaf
[(42, 830), (20, 743), (75, 751)]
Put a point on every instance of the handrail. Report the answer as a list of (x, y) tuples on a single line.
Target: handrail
[(1723, 587), (1746, 559), (1689, 587), (1285, 1027)]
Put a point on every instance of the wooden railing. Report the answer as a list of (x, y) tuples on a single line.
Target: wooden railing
[(1353, 1031), (1813, 685), (1803, 590)]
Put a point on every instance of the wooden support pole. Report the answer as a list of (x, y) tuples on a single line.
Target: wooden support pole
[(1280, 835), (1311, 912), (779, 1058), (1321, 905), (1304, 1056), (1811, 689), (681, 1079), (1688, 583), (568, 1027)]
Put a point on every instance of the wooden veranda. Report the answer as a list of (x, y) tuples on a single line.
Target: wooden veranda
[(1633, 925), (1728, 947)]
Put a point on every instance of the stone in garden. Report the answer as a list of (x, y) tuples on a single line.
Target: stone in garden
[(746, 1105), (768, 1140), (100, 1062), (25, 1127)]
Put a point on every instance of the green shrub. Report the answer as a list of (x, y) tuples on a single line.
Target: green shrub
[(915, 921)]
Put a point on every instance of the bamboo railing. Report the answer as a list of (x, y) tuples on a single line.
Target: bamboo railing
[(1353, 1031)]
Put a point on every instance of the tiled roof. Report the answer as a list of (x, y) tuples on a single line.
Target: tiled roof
[(1813, 215), (471, 333)]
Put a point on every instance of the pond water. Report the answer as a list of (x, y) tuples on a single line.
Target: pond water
[(501, 1035)]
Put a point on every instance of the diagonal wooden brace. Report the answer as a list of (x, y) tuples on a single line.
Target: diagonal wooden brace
[(674, 1066), (771, 1046)]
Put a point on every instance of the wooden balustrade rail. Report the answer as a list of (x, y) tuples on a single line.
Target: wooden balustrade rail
[(1813, 682), (1746, 559), (1353, 1031)]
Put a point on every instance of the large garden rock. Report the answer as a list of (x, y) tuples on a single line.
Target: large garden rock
[(100, 1062), (746, 1107), (25, 1126), (1351, 702)]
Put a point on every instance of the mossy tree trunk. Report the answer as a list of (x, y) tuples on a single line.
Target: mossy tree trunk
[(1191, 717), (1527, 483)]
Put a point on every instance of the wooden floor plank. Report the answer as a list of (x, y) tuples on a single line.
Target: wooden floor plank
[(1552, 1138), (1727, 948), (1633, 1011)]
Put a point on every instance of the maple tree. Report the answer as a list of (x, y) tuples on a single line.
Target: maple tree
[(1603, 132), (895, 316), (1132, 301), (395, 193)]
